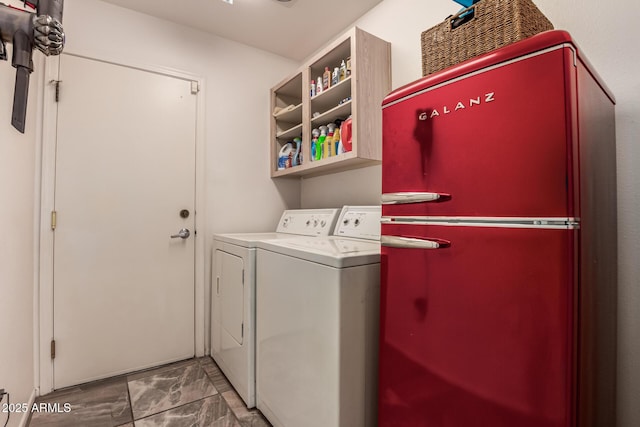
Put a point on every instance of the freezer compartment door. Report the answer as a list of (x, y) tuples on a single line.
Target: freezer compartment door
[(476, 327), (493, 144)]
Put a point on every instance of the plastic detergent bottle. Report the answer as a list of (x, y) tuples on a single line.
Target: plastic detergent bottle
[(295, 161), (329, 148), (335, 76), (320, 143), (313, 88), (319, 85), (315, 133), (345, 135), (283, 157), (326, 79)]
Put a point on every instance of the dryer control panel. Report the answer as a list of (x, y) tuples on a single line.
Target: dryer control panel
[(360, 222), (308, 222)]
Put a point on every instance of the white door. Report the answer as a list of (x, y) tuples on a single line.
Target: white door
[(125, 180)]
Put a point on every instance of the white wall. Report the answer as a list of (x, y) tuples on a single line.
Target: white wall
[(17, 181), (240, 196), (606, 32)]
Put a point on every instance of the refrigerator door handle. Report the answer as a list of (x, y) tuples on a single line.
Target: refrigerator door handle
[(413, 243), (412, 197)]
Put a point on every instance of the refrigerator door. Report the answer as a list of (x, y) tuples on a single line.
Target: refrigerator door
[(476, 327), (494, 143)]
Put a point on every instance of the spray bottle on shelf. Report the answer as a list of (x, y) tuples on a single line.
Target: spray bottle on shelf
[(335, 76), (320, 144), (315, 133), (328, 145), (313, 88), (319, 85)]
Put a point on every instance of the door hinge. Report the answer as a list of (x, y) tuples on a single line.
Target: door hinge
[(53, 349), (195, 87), (57, 83), (54, 219)]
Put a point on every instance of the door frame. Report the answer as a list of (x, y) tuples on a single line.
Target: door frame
[(46, 157)]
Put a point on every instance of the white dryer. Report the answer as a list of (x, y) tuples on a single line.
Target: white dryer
[(234, 289), (317, 319)]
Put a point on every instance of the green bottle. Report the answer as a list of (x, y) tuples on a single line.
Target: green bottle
[(320, 143)]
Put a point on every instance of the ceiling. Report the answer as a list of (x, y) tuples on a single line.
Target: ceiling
[(293, 29)]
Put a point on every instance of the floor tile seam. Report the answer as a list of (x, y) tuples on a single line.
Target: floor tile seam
[(159, 370), (180, 406), (231, 409), (250, 413), (130, 403)]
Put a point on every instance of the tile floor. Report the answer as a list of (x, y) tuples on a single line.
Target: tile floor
[(192, 393)]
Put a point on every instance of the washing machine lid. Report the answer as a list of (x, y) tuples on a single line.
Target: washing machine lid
[(294, 222), (331, 251)]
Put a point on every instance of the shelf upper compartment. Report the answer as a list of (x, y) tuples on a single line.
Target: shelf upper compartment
[(292, 88), (331, 58), (331, 97), (290, 114)]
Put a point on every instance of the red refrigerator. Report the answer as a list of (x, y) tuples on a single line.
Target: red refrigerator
[(498, 267)]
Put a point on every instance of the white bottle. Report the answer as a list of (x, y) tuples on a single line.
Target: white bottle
[(343, 71), (319, 85), (335, 76)]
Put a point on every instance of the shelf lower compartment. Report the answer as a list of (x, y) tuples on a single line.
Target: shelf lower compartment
[(341, 111), (320, 167)]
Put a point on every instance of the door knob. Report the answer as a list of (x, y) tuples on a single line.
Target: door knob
[(183, 234)]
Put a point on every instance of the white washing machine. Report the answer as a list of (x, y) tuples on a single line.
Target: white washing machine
[(234, 289), (317, 325)]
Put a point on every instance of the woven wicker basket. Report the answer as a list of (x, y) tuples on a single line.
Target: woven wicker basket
[(495, 23)]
